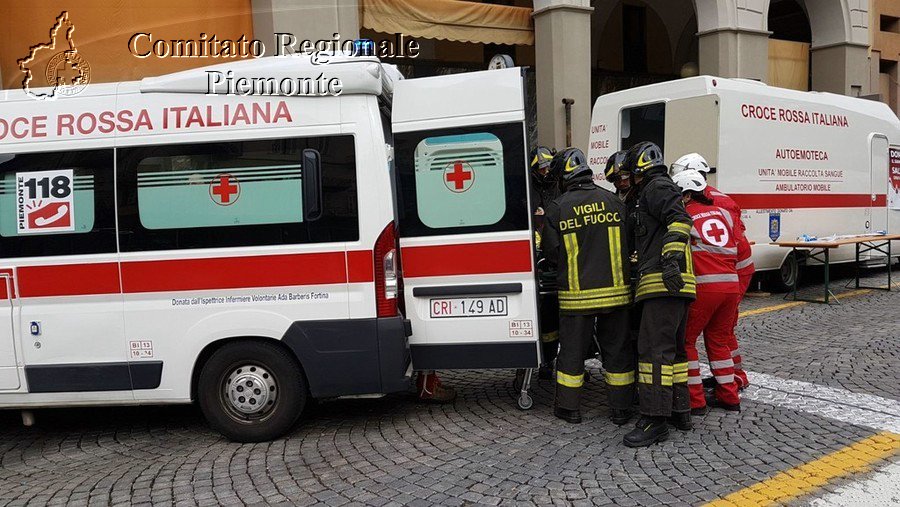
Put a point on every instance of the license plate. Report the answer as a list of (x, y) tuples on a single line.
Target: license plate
[(468, 307)]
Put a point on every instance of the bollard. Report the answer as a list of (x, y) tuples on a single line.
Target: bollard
[(568, 105)]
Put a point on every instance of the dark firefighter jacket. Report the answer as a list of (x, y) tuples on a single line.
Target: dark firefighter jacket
[(586, 240), (542, 194), (662, 225)]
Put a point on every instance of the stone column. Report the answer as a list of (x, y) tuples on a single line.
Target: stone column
[(562, 32), (730, 52), (309, 19), (841, 68)]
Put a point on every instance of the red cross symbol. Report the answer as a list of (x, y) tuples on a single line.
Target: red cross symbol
[(715, 232), (222, 186), (458, 177)]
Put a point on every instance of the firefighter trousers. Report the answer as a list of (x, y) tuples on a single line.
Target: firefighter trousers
[(576, 335), (713, 315), (662, 359), (549, 328)]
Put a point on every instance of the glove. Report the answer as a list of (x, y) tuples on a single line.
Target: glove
[(671, 275)]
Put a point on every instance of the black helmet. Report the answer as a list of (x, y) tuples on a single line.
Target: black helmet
[(570, 164), (615, 166), (540, 159), (642, 157)]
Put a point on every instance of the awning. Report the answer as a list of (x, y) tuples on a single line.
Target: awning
[(450, 20)]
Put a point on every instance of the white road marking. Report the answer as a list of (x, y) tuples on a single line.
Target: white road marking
[(881, 488)]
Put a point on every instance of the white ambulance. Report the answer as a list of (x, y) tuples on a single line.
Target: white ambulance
[(159, 244), (798, 163)]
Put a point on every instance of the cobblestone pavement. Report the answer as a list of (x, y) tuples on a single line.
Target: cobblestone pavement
[(482, 450)]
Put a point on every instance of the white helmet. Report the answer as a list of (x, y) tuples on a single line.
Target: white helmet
[(690, 179), (693, 161)]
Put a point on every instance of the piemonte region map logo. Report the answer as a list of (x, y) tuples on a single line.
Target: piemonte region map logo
[(67, 72)]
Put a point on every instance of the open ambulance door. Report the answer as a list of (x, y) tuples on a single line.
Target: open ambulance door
[(692, 125), (464, 225)]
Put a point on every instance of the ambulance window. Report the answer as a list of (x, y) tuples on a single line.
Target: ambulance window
[(461, 180), (57, 203), (234, 194), (644, 123), (446, 191)]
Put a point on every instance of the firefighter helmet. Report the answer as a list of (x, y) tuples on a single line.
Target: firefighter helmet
[(570, 164), (691, 161), (690, 180), (541, 158), (615, 166), (642, 157)]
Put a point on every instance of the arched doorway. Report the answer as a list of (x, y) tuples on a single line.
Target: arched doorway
[(639, 42), (789, 45)]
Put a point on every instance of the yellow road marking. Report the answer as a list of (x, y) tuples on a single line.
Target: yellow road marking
[(791, 304), (807, 478)]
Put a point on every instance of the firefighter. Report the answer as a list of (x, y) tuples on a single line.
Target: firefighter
[(620, 178), (745, 266), (665, 288), (714, 252), (584, 238), (544, 189)]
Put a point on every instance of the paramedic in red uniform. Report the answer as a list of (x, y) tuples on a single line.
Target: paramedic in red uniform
[(665, 288), (714, 251), (744, 266), (584, 238)]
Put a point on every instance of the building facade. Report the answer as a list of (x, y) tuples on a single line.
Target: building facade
[(578, 49)]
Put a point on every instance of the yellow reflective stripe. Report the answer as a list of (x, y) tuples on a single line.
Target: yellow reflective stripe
[(679, 228), (537, 240), (645, 367), (572, 252), (615, 255), (550, 337), (680, 378), (673, 246), (657, 277), (666, 369), (680, 367), (569, 380), (588, 304), (591, 293), (645, 378), (666, 380), (688, 259), (619, 379), (658, 288)]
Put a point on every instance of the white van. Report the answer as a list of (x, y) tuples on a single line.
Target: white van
[(159, 244), (798, 163)]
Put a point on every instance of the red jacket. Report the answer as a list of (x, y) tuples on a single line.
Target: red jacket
[(745, 266), (714, 248)]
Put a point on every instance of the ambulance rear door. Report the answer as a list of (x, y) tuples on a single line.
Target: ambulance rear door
[(464, 225)]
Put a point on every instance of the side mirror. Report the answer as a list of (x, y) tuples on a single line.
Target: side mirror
[(312, 185)]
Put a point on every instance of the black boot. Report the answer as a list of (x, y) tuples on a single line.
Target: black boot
[(713, 402), (700, 411), (649, 431), (681, 420), (620, 416), (570, 416)]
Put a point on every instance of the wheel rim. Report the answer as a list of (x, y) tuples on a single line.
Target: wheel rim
[(249, 392), (789, 271)]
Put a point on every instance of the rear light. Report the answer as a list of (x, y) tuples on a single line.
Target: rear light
[(386, 279)]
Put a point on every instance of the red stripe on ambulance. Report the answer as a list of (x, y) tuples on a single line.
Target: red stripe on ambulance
[(194, 274), (467, 259), (233, 272), (69, 280), (787, 201)]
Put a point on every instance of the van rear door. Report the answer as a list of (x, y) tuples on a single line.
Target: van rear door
[(464, 224)]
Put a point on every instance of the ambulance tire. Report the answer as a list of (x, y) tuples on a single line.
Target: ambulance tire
[(252, 365), (784, 278)]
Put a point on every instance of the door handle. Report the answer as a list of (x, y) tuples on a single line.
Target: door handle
[(468, 290)]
